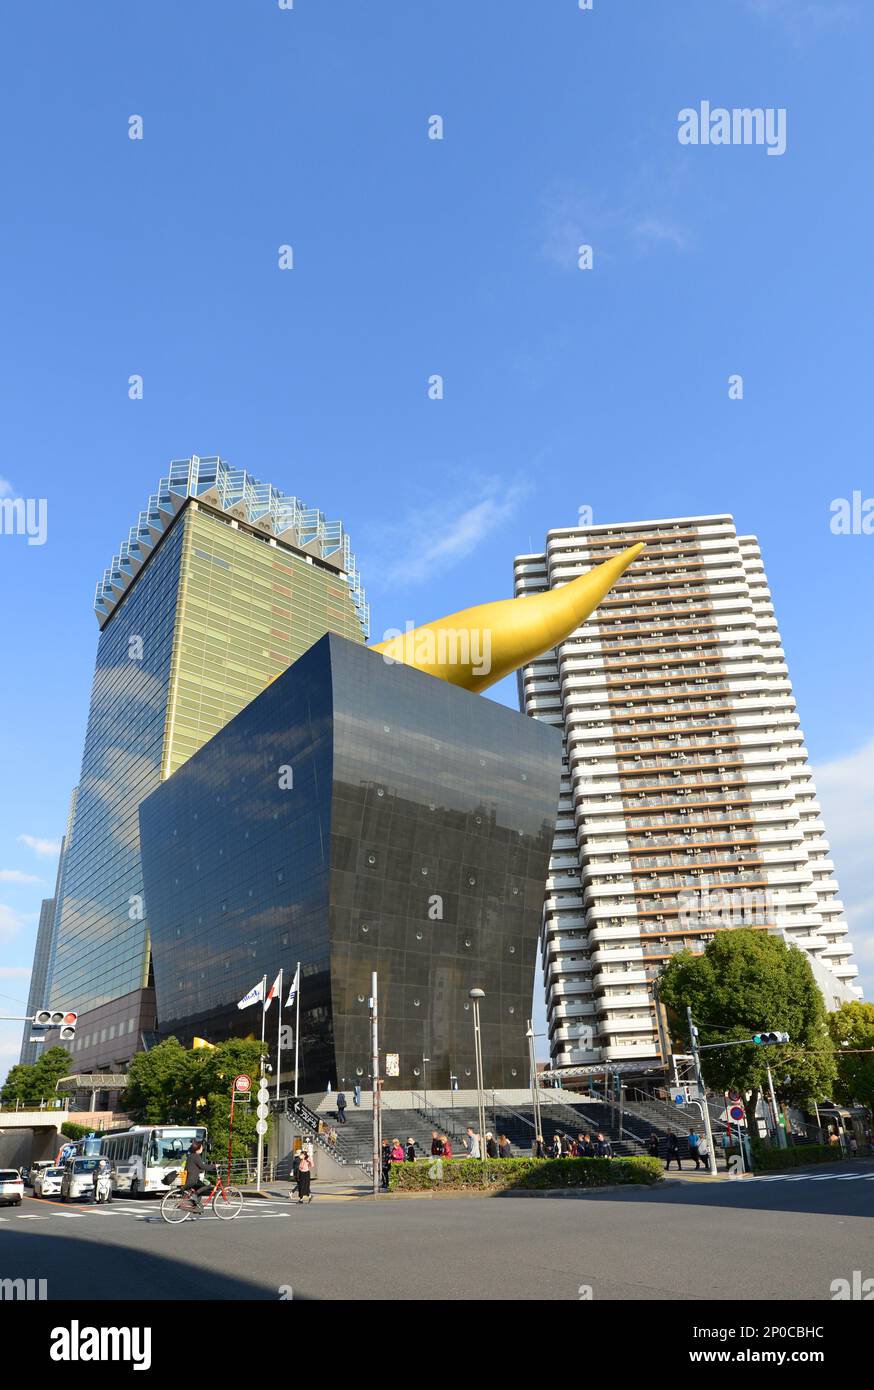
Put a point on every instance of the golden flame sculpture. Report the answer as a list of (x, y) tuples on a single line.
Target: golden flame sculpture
[(478, 646)]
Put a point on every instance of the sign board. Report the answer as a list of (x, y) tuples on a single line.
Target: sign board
[(392, 1064), (678, 1097), (263, 1110), (261, 1127), (242, 1082)]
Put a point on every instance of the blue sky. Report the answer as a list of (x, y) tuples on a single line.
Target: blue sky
[(412, 256)]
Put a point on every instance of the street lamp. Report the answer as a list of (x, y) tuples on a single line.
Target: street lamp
[(534, 1094), (475, 995)]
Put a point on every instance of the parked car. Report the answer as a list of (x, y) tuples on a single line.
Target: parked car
[(11, 1186), (47, 1182), (78, 1179)]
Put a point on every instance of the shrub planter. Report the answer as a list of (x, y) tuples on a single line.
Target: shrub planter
[(521, 1174), (799, 1156)]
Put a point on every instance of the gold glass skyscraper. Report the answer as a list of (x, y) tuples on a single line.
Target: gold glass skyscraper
[(222, 584)]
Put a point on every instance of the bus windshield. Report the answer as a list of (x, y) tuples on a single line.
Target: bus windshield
[(169, 1147)]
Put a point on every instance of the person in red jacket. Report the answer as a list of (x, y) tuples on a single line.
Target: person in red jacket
[(447, 1147)]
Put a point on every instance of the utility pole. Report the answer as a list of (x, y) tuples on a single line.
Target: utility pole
[(374, 1070), (705, 1109), (535, 1095), (781, 1133)]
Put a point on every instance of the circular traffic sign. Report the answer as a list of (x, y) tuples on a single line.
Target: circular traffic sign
[(261, 1127), (736, 1112), (242, 1082), (263, 1110), (263, 1094)]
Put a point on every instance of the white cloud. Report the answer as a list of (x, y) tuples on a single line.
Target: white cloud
[(574, 218), (435, 535), (41, 847), (10, 920), (805, 18), (846, 792), (15, 972), (16, 876)]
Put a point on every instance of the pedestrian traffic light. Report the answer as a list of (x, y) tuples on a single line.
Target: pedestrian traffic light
[(764, 1039), (68, 1027)]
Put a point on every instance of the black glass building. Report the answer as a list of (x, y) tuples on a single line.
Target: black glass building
[(358, 815)]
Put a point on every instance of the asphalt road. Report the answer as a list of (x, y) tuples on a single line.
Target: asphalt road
[(757, 1239)]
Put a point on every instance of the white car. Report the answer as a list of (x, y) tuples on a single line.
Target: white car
[(47, 1182), (11, 1186), (78, 1179), (38, 1167)]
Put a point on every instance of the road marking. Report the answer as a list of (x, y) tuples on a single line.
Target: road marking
[(32, 1217)]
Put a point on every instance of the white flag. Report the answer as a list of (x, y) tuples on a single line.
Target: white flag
[(252, 997), (295, 986), (273, 991)]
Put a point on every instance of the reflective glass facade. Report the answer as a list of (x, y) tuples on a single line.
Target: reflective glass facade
[(215, 613), (414, 840)]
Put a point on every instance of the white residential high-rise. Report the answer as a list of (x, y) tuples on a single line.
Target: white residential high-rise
[(687, 799)]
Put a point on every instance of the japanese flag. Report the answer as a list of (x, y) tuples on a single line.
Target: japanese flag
[(273, 991)]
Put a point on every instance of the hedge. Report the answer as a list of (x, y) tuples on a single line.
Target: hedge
[(74, 1131), (767, 1160), (500, 1174)]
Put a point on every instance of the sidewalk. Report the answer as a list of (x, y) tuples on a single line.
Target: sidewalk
[(280, 1190)]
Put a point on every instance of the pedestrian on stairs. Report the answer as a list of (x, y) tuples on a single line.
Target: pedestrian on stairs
[(356, 1095), (341, 1108)]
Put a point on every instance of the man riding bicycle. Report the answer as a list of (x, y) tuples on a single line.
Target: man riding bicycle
[(195, 1167)]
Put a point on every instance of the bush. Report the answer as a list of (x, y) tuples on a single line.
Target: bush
[(769, 1160), (500, 1174), (74, 1131)]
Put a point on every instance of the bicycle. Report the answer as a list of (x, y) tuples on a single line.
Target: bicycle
[(178, 1205)]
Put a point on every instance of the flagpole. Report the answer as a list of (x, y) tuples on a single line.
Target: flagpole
[(260, 1159), (263, 1007), (279, 1034), (296, 1025)]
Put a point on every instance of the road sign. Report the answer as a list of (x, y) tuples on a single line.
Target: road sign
[(678, 1097), (261, 1127), (263, 1094), (263, 1110), (736, 1112), (242, 1082)]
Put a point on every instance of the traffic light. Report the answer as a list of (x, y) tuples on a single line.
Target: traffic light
[(764, 1039), (68, 1027), (57, 1018)]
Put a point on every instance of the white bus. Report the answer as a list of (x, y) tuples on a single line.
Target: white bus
[(141, 1156)]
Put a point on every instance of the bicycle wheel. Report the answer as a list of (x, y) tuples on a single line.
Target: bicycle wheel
[(175, 1206), (227, 1203)]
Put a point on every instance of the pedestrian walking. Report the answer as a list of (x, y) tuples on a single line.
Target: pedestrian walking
[(397, 1151), (341, 1108), (436, 1144), (304, 1176), (505, 1148), (673, 1153), (411, 1149), (538, 1148), (556, 1146), (491, 1145), (603, 1147), (472, 1143), (385, 1162), (652, 1145), (694, 1142), (854, 1146), (447, 1147), (356, 1094)]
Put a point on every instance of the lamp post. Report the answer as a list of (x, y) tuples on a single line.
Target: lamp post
[(534, 1093), (476, 995)]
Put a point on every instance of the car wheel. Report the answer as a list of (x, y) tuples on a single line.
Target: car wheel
[(17, 1202)]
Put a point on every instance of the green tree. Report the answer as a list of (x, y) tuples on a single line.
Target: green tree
[(18, 1086), (31, 1083), (214, 1072), (853, 1025), (160, 1085), (744, 982)]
